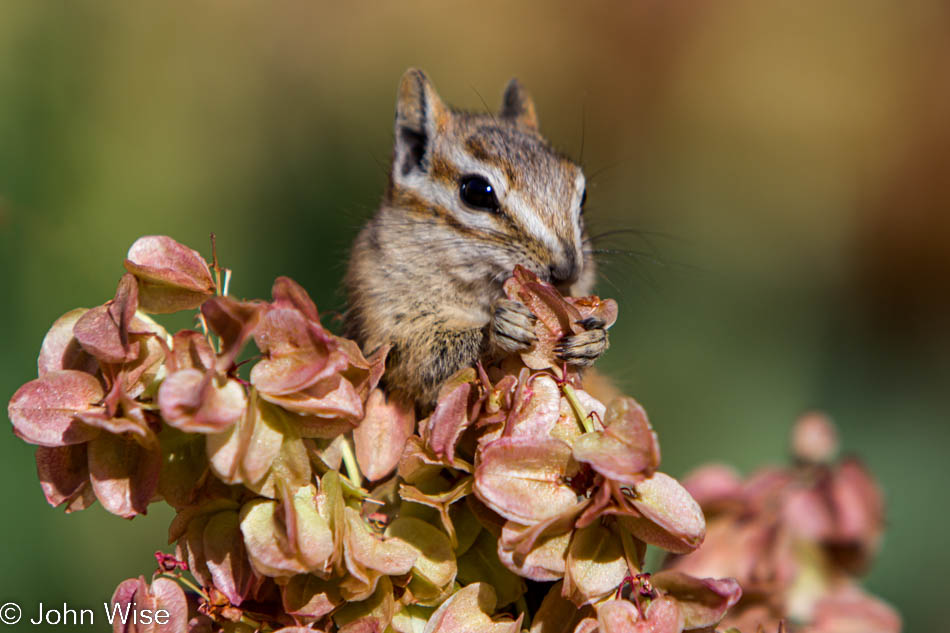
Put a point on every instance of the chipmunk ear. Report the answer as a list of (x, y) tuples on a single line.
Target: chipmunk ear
[(518, 106), (420, 115)]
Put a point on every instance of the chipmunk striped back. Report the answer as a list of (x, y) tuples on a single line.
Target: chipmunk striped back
[(470, 196)]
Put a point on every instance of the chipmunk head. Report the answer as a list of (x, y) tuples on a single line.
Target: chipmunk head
[(490, 190)]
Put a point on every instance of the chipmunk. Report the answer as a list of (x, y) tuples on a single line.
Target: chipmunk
[(470, 196)]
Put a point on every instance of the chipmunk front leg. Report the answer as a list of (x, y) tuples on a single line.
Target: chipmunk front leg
[(585, 347), (511, 328), (422, 360)]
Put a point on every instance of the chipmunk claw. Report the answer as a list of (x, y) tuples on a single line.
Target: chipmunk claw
[(585, 347), (512, 326)]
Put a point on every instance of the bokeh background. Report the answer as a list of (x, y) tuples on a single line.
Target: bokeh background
[(784, 165)]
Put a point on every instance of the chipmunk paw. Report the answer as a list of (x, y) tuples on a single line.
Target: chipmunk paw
[(512, 326), (585, 347)]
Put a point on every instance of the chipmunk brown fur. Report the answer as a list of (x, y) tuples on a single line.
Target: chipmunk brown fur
[(470, 196)]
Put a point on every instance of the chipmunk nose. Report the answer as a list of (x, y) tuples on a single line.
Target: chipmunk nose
[(567, 270)]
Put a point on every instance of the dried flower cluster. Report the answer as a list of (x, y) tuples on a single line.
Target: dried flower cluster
[(795, 538), (308, 499)]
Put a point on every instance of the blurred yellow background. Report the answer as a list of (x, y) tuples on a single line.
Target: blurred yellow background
[(785, 164)]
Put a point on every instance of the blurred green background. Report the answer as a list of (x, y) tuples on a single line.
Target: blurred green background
[(785, 165)]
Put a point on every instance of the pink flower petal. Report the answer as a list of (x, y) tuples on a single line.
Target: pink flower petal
[(170, 597), (627, 450), (191, 350), (469, 610), (714, 484), (171, 276), (194, 402), (334, 397), (448, 421), (124, 472), (61, 350), (671, 518), (298, 353), (622, 616), (595, 564), (234, 323), (851, 610), (226, 557), (63, 472), (617, 616), (133, 597), (522, 479), (605, 310), (391, 556), (274, 552), (702, 601), (543, 562), (381, 436), (858, 506), (103, 331), (309, 596), (245, 452), (287, 293), (43, 411), (537, 411)]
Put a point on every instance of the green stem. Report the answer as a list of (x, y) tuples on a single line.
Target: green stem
[(349, 461), (582, 416), (184, 581), (634, 564), (254, 624)]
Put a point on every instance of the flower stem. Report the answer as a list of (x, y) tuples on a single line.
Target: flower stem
[(180, 578), (582, 416), (254, 624), (214, 265), (349, 461), (634, 564)]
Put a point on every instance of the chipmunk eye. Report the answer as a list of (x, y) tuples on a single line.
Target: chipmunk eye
[(583, 199), (478, 193)]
